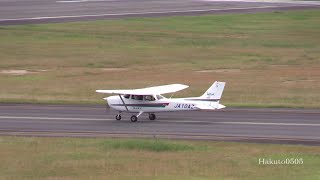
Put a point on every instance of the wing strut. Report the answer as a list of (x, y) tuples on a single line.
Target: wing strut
[(172, 95), (123, 102)]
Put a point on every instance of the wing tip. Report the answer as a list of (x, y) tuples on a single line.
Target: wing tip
[(100, 91)]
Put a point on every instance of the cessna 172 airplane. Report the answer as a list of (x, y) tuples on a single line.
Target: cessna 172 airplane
[(149, 100)]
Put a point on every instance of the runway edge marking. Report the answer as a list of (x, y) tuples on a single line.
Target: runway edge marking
[(145, 13)]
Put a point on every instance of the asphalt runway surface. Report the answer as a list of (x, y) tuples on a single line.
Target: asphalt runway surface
[(48, 11), (289, 126)]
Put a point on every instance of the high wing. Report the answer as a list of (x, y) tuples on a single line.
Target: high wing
[(148, 91)]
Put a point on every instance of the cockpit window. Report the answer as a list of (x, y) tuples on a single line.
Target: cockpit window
[(137, 97), (126, 96), (149, 98)]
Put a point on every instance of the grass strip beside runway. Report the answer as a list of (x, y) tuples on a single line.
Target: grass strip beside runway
[(76, 158), (267, 59)]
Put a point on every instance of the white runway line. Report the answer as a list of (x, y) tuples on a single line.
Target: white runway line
[(268, 1), (79, 1), (263, 123), (210, 122), (83, 119), (55, 118), (255, 1), (143, 13)]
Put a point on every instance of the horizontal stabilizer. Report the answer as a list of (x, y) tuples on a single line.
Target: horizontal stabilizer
[(220, 106), (209, 107)]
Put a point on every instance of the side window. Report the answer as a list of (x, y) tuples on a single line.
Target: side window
[(127, 96), (137, 97), (159, 97), (149, 98), (140, 97)]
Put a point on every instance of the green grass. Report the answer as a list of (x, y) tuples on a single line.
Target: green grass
[(141, 145), (276, 57), (76, 158)]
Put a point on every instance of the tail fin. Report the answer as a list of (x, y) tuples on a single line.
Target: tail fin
[(215, 91)]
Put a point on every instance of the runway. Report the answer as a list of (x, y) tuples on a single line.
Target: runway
[(48, 11), (290, 126)]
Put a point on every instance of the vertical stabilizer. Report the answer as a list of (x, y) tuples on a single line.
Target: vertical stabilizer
[(215, 91)]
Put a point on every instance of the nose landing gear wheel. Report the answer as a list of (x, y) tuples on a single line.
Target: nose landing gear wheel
[(152, 116), (118, 117), (134, 118)]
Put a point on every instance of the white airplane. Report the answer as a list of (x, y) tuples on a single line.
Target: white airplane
[(149, 100)]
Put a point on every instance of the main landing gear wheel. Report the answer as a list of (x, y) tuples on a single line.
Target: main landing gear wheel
[(152, 116), (134, 118), (118, 117)]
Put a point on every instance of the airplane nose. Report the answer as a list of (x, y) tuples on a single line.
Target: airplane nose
[(110, 100)]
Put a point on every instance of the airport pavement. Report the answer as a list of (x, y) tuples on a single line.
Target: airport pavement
[(47, 11), (289, 126), (251, 125)]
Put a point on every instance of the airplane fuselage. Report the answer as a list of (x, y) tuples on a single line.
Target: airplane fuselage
[(149, 100), (122, 104)]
